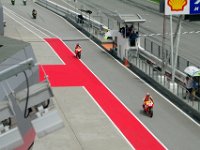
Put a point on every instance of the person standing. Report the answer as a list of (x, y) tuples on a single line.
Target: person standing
[(188, 82)]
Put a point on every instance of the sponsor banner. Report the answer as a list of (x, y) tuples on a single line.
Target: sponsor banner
[(173, 7), (178, 7)]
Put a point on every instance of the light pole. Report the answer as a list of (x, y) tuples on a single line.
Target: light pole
[(163, 45)]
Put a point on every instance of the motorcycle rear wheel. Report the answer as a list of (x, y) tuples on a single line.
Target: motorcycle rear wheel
[(78, 55), (150, 113)]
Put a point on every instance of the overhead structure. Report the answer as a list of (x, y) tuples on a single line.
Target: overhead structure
[(129, 18)]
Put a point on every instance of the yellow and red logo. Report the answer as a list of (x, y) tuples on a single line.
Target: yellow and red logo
[(177, 5)]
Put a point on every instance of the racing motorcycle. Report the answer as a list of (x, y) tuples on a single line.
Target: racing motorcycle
[(24, 2), (34, 14), (78, 52), (13, 2), (148, 108)]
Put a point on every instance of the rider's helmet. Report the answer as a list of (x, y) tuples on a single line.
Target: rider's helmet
[(78, 45), (147, 94)]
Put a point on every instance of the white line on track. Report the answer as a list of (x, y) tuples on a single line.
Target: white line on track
[(120, 101), (64, 63), (9, 15), (131, 73), (138, 78), (108, 117), (109, 89)]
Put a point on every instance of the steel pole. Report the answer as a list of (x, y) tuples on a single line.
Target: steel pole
[(177, 45), (172, 47), (163, 43)]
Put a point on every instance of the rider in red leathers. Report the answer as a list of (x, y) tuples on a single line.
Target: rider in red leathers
[(148, 102), (78, 50)]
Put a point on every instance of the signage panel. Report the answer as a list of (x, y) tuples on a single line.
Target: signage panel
[(194, 6), (177, 7)]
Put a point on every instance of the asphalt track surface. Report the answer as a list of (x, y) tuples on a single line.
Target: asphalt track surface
[(169, 125), (75, 73)]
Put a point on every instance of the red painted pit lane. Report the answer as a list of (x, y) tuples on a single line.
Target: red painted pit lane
[(75, 73)]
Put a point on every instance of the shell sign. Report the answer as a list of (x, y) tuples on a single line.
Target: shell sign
[(177, 7)]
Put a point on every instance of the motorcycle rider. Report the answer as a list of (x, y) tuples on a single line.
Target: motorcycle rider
[(34, 13), (13, 2), (147, 99), (78, 48), (78, 51), (24, 1)]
